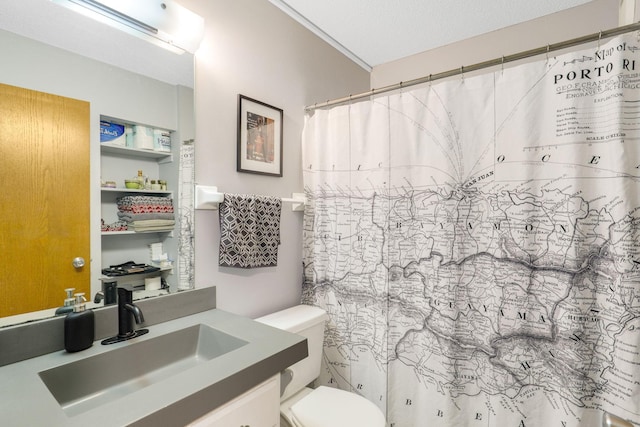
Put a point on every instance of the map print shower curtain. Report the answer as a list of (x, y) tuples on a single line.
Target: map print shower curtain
[(476, 244)]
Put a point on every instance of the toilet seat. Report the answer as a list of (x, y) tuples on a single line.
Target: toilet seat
[(331, 407)]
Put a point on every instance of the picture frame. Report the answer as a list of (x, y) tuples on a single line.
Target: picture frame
[(259, 137)]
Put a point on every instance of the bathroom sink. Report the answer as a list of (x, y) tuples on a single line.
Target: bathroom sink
[(91, 382)]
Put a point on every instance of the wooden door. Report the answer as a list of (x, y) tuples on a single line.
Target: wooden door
[(44, 209)]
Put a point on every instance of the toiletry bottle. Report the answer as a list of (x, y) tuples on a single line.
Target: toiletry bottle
[(79, 329), (140, 180)]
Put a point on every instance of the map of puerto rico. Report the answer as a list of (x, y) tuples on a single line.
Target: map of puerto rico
[(481, 267)]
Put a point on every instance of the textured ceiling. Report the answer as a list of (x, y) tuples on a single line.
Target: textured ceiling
[(373, 32)]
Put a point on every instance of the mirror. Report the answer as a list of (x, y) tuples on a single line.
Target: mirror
[(50, 49)]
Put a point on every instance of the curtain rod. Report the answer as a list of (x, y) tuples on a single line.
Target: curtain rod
[(480, 65)]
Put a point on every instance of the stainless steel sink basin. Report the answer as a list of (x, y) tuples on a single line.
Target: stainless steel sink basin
[(88, 383)]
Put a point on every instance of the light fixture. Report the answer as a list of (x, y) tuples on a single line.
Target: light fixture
[(162, 22)]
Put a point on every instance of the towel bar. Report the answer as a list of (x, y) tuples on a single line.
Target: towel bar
[(208, 197)]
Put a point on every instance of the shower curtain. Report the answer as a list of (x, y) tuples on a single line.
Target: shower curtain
[(476, 244)]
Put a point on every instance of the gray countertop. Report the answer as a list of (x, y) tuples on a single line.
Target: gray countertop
[(174, 401)]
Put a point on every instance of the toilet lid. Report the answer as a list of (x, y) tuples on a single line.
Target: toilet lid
[(326, 406)]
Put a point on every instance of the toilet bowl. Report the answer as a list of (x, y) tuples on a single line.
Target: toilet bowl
[(302, 406)]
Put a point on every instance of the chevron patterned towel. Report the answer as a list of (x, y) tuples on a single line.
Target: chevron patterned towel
[(249, 231)]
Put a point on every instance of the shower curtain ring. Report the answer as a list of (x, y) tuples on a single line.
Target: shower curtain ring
[(548, 49), (599, 38)]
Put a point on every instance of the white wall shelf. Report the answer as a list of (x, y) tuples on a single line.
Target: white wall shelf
[(121, 233), (106, 278), (161, 156), (119, 163), (131, 190)]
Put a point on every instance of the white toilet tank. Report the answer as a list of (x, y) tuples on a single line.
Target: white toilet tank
[(309, 322)]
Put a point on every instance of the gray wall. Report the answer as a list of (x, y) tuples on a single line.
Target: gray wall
[(588, 18), (253, 48)]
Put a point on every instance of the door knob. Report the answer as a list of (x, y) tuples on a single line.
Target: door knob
[(78, 262)]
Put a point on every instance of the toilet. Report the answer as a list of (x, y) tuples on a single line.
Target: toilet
[(301, 406)]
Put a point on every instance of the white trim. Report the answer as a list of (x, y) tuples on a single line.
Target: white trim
[(318, 32)]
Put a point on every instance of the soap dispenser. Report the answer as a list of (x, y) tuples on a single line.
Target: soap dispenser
[(69, 301), (79, 329)]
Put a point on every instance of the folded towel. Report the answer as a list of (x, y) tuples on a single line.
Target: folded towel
[(152, 225), (116, 226), (145, 204), (141, 208), (131, 217), (249, 231)]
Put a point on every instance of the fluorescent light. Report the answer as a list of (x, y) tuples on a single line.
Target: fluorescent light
[(164, 23)]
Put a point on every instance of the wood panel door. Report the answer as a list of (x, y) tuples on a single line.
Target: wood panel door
[(45, 208)]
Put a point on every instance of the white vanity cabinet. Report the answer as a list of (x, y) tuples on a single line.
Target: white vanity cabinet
[(118, 163), (258, 407)]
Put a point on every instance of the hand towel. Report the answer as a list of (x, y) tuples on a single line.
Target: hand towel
[(249, 231)]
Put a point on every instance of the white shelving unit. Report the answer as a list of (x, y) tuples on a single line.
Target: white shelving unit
[(118, 163)]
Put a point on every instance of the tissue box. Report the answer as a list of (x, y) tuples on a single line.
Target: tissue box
[(142, 137), (112, 133)]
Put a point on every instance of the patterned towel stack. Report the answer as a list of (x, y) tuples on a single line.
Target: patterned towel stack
[(249, 231), (147, 213)]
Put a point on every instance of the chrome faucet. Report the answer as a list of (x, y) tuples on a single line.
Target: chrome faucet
[(127, 313)]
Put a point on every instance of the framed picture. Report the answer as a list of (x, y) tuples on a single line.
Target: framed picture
[(259, 137)]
